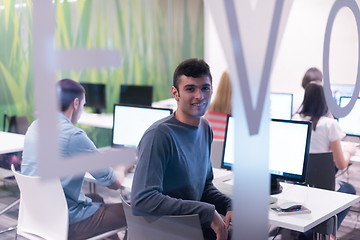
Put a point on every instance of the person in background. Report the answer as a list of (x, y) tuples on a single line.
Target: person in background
[(313, 74), (326, 134), (220, 107), (223, 99), (87, 216), (174, 173)]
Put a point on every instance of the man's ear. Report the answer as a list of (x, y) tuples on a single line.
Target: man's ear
[(175, 93), (76, 103)]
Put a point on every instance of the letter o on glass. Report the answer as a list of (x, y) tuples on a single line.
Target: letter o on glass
[(337, 111)]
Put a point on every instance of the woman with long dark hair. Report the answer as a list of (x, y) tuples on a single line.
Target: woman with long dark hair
[(326, 134), (312, 75)]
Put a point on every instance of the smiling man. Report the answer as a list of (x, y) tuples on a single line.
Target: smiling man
[(174, 173)]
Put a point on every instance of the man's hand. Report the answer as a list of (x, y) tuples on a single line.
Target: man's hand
[(219, 227), (228, 219), (115, 185), (122, 170)]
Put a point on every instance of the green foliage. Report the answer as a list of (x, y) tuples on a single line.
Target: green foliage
[(153, 36), (15, 73)]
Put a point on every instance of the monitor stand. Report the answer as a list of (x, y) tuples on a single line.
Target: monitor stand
[(275, 187), (97, 110)]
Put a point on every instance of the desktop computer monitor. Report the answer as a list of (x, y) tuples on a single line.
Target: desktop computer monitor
[(95, 96), (289, 145), (350, 124), (281, 105), (339, 90), (136, 95), (131, 122)]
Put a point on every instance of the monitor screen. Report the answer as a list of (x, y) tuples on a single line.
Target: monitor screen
[(281, 105), (95, 96), (339, 90), (136, 95), (131, 122), (289, 148), (350, 124)]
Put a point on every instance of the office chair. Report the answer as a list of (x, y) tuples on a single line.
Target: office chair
[(43, 211), (217, 148), (182, 227), (321, 174)]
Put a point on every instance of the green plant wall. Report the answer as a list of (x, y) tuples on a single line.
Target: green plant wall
[(15, 68), (153, 36)]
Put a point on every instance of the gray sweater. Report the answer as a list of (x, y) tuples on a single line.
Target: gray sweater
[(174, 173)]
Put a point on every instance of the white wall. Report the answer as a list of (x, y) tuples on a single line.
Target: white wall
[(301, 46), (214, 54)]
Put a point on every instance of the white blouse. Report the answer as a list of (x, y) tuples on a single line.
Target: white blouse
[(327, 131)]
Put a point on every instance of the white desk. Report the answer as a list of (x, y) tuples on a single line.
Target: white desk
[(355, 159), (167, 103), (11, 142), (352, 139), (322, 203), (104, 120)]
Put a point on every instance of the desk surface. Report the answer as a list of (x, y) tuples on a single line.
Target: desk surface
[(167, 103), (104, 120), (355, 159), (322, 203), (11, 142)]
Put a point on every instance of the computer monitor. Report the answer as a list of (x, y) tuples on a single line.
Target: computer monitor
[(289, 150), (281, 105), (136, 95), (95, 96), (350, 124), (339, 90), (131, 122)]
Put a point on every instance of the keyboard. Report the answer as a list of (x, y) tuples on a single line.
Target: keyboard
[(356, 156)]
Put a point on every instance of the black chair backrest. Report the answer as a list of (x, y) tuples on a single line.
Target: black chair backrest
[(16, 124), (321, 171)]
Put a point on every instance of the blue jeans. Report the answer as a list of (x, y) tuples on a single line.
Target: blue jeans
[(344, 188)]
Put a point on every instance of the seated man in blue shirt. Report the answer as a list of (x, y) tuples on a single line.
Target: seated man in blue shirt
[(87, 217), (174, 173)]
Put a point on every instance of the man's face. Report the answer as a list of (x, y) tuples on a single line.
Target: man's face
[(78, 110), (193, 96)]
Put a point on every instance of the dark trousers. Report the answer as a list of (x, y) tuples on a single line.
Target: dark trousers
[(106, 218), (344, 188), (209, 234)]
